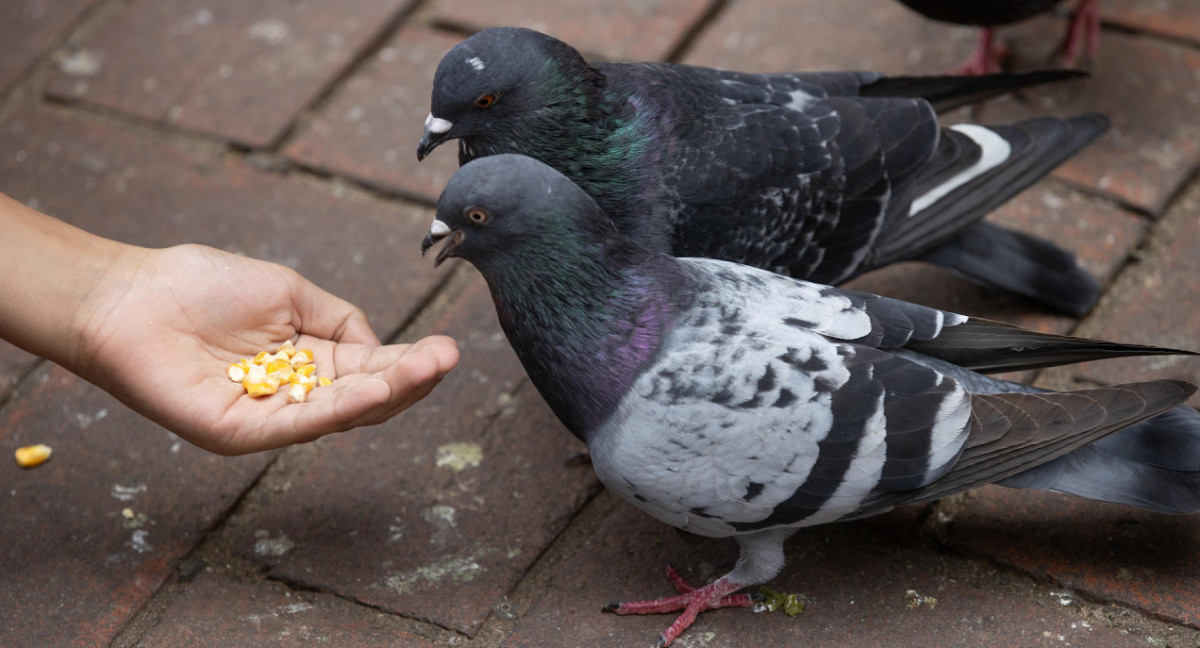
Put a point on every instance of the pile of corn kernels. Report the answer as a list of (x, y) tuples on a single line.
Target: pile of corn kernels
[(267, 372)]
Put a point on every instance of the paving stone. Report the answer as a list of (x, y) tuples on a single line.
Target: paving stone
[(1155, 303), (1151, 92), (630, 30), (1101, 234), (28, 28), (241, 70), (773, 36), (857, 586), (1144, 560), (90, 535), (1174, 18), (437, 513), (369, 129), (139, 190), (218, 612)]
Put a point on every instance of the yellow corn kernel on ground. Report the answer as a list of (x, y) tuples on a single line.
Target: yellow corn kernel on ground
[(34, 455), (267, 372)]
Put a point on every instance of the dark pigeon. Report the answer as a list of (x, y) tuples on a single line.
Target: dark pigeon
[(988, 56), (820, 176), (730, 401)]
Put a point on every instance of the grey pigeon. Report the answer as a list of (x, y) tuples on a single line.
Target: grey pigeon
[(988, 14), (730, 401), (820, 176)]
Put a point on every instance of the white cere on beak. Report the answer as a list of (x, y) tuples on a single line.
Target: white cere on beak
[(439, 228), (435, 125), (476, 63)]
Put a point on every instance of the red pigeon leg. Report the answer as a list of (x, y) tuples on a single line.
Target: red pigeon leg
[(1085, 25), (987, 57), (692, 600)]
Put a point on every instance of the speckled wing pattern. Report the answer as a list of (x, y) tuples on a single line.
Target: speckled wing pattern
[(754, 417), (777, 403)]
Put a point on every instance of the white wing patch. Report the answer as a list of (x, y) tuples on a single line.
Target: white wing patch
[(995, 151)]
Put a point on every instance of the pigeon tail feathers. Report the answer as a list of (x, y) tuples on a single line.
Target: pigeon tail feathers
[(1153, 465)]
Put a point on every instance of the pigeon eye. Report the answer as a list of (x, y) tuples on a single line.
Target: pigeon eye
[(478, 216), (485, 100)]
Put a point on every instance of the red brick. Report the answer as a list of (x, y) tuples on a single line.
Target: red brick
[(28, 28), (630, 30), (1143, 560), (241, 70), (856, 583), (76, 568), (385, 517), (370, 127), (1154, 302), (139, 190), (218, 612), (1174, 18)]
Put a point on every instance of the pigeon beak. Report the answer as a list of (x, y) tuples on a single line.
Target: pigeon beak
[(435, 133), (437, 232)]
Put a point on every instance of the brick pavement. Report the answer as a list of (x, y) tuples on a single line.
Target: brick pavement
[(286, 130)]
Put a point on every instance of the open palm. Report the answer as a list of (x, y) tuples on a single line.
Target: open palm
[(161, 337)]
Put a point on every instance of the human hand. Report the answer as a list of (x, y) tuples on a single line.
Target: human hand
[(161, 326)]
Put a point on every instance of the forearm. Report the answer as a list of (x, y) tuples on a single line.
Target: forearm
[(48, 271)]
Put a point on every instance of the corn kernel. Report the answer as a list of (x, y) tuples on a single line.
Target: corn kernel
[(306, 370), (324, 382), (261, 357), (302, 357), (258, 383), (238, 370), (281, 368), (34, 455), (298, 392), (287, 349), (260, 389)]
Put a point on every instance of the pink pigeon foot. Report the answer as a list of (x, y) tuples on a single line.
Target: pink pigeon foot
[(692, 600), (987, 58)]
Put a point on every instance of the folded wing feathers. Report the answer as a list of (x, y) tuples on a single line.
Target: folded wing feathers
[(1012, 432), (987, 346)]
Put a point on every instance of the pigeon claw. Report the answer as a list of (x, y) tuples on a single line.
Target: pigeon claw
[(692, 600)]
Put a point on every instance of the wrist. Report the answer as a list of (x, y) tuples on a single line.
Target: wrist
[(50, 272)]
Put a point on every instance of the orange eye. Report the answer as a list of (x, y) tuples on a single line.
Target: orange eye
[(485, 101), (478, 216)]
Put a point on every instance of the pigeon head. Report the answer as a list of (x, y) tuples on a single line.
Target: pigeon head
[(546, 250), (511, 207), (500, 87)]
